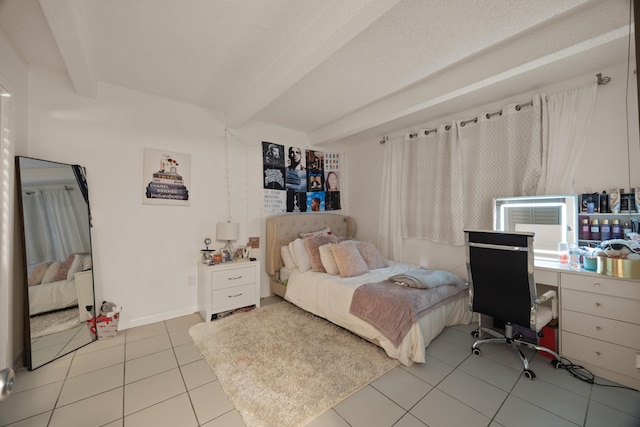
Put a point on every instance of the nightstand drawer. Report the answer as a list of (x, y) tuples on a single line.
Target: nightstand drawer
[(238, 296), (613, 331), (233, 277), (624, 309)]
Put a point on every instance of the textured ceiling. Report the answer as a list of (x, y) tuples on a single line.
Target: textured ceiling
[(337, 70)]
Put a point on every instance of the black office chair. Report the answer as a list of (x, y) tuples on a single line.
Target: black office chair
[(500, 268)]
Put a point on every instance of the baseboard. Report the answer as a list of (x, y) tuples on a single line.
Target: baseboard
[(160, 317)]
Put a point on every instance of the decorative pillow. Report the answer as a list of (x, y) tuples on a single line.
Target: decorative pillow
[(292, 251), (51, 272), (87, 263), (312, 243), (372, 256), (76, 265), (324, 231), (327, 259), (35, 278), (350, 262), (64, 268), (302, 256), (287, 259)]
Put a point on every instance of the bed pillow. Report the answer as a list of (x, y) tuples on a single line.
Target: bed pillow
[(64, 268), (87, 263), (302, 256), (35, 278), (312, 243), (350, 262), (287, 259), (324, 231), (327, 259), (292, 251), (76, 265), (372, 256), (52, 272)]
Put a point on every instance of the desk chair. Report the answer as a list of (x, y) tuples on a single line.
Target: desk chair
[(500, 268)]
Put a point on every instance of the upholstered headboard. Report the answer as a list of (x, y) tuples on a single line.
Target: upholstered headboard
[(282, 229)]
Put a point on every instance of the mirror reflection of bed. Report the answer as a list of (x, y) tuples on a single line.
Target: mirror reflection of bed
[(57, 258)]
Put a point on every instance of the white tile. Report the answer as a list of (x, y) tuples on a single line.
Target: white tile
[(146, 331), (176, 411), (179, 337), (487, 370), (50, 373), (29, 403), (438, 409), (183, 322), (552, 398), (480, 395), (457, 337), (561, 377), (197, 373), (100, 345), (446, 352), (145, 346), (149, 391), (94, 411), (88, 362), (146, 366), (402, 387), (504, 354), (409, 420), (90, 384), (328, 418), (369, 408), (210, 402), (622, 399), (41, 420), (187, 353), (432, 371), (230, 419), (603, 415), (517, 412), (116, 423)]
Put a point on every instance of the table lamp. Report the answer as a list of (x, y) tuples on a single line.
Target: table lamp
[(228, 231)]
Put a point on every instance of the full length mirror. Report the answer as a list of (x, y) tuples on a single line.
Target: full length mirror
[(59, 295)]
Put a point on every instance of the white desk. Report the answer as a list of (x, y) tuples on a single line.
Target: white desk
[(599, 323)]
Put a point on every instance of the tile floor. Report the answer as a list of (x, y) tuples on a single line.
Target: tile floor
[(153, 376)]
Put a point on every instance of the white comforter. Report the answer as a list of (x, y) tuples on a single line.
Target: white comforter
[(330, 297), (52, 296)]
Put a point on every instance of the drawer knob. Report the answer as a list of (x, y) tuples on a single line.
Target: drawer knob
[(235, 296), (598, 328), (598, 354), (598, 304), (597, 285), (234, 278)]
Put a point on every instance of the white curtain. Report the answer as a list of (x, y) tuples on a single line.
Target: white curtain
[(569, 119), (389, 230), (52, 230), (432, 185)]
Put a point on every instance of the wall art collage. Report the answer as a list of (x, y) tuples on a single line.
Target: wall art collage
[(299, 180)]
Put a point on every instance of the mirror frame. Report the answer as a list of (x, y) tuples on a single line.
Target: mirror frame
[(70, 345)]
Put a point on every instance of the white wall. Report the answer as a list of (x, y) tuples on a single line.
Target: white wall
[(145, 256), (603, 164)]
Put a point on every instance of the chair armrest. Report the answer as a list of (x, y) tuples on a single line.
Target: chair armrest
[(550, 295)]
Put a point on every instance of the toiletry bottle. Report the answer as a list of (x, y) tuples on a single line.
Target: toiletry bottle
[(605, 230), (585, 230), (626, 229), (595, 229), (616, 229), (604, 202)]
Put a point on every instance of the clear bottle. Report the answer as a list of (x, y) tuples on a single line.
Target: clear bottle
[(616, 229), (595, 229), (605, 230)]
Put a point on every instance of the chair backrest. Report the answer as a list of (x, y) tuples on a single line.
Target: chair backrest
[(500, 269)]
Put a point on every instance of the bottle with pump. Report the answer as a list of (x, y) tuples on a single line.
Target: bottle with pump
[(616, 229), (605, 230), (585, 229), (595, 229)]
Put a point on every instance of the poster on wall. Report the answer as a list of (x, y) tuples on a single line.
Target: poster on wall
[(165, 177), (298, 180)]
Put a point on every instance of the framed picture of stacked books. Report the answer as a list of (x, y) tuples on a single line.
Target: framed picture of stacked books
[(165, 178)]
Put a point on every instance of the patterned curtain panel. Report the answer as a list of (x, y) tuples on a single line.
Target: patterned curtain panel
[(389, 229)]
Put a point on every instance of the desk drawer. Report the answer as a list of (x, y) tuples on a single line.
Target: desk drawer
[(238, 296), (545, 277), (626, 310), (613, 331), (235, 277), (601, 285), (609, 356)]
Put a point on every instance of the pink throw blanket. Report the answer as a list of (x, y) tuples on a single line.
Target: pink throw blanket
[(393, 309)]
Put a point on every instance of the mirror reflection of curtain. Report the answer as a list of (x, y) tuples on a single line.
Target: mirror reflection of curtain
[(56, 227)]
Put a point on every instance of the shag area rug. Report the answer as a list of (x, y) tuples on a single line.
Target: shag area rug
[(57, 321), (282, 366)]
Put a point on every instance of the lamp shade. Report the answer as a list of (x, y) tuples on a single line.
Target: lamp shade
[(227, 231)]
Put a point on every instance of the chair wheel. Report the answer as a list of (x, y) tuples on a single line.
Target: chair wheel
[(475, 333), (529, 374), (557, 364), (476, 351)]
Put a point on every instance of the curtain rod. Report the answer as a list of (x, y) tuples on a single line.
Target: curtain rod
[(32, 192), (602, 80)]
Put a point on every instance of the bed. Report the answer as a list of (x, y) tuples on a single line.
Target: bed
[(331, 296), (52, 285)]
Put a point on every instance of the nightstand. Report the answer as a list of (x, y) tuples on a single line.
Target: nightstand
[(227, 286)]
